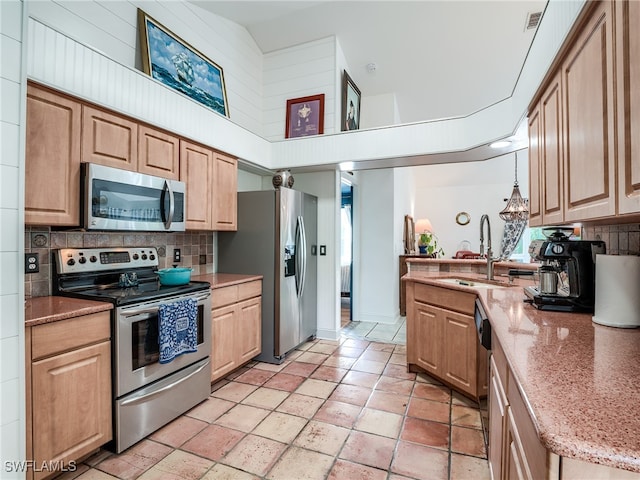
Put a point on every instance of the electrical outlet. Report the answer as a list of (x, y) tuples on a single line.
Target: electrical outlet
[(203, 259), (31, 263), (177, 257)]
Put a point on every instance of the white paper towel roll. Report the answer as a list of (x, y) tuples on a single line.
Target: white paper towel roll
[(617, 302)]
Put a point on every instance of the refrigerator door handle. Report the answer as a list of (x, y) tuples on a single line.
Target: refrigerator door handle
[(301, 255)]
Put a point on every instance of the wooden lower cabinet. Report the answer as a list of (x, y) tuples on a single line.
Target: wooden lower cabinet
[(442, 338), (498, 404), (236, 326), (69, 408), (515, 449)]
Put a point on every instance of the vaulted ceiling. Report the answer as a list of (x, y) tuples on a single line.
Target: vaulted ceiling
[(439, 58)]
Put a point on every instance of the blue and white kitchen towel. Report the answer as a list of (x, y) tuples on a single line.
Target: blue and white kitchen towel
[(178, 328)]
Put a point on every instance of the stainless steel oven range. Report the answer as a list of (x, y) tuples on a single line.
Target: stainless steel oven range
[(147, 394)]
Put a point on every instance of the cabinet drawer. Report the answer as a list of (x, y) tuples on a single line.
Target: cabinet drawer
[(249, 290), (52, 338), (446, 298), (221, 297)]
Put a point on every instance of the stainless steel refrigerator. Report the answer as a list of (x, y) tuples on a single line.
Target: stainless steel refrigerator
[(276, 238)]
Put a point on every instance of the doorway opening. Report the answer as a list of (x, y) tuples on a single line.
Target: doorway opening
[(346, 252)]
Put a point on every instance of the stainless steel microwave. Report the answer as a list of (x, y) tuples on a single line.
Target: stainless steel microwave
[(116, 199)]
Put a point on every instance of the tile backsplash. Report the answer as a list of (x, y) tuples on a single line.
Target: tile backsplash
[(620, 239), (44, 240)]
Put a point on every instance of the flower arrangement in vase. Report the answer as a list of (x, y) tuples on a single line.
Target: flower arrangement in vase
[(428, 245)]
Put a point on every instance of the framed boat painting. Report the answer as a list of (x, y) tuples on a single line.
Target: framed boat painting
[(305, 116), (173, 62), (350, 104)]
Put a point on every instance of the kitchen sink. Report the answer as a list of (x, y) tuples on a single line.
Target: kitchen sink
[(468, 282)]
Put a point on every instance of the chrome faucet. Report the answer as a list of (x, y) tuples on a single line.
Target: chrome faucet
[(489, 256)]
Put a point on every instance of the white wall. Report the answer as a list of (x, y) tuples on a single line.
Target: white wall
[(379, 111), (442, 191), (248, 182), (326, 186), (438, 192), (12, 99), (375, 273), (300, 71)]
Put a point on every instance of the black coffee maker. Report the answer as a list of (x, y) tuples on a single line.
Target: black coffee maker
[(567, 273)]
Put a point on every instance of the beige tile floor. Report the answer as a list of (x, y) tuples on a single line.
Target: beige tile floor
[(339, 410)]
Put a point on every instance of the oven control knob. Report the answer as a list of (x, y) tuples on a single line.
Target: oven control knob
[(152, 257), (144, 256), (136, 256), (83, 260), (93, 259), (71, 262)]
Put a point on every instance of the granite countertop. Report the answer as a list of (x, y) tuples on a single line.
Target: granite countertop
[(41, 310), (473, 262), (219, 280), (578, 378)]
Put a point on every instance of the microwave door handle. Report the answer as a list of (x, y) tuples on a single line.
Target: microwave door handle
[(167, 188)]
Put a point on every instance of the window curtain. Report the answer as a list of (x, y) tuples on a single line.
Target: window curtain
[(512, 232)]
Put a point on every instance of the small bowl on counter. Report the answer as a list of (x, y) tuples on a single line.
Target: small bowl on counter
[(174, 276)]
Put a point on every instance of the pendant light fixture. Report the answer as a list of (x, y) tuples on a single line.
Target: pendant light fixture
[(517, 208)]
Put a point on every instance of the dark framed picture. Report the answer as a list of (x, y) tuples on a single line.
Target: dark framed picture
[(305, 116), (172, 61), (350, 104)]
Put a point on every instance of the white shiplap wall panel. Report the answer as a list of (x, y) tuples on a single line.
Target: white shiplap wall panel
[(12, 358), (93, 25), (300, 71), (234, 51), (10, 51), (111, 28), (82, 72)]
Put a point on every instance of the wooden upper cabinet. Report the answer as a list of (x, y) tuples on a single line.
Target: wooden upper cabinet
[(109, 139), (196, 170), (627, 16), (589, 128), (535, 187), (52, 167), (552, 154), (158, 153), (225, 193)]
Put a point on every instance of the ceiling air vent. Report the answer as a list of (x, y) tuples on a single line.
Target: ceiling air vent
[(533, 19)]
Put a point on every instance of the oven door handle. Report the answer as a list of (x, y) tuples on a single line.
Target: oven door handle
[(143, 397), (139, 311)]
